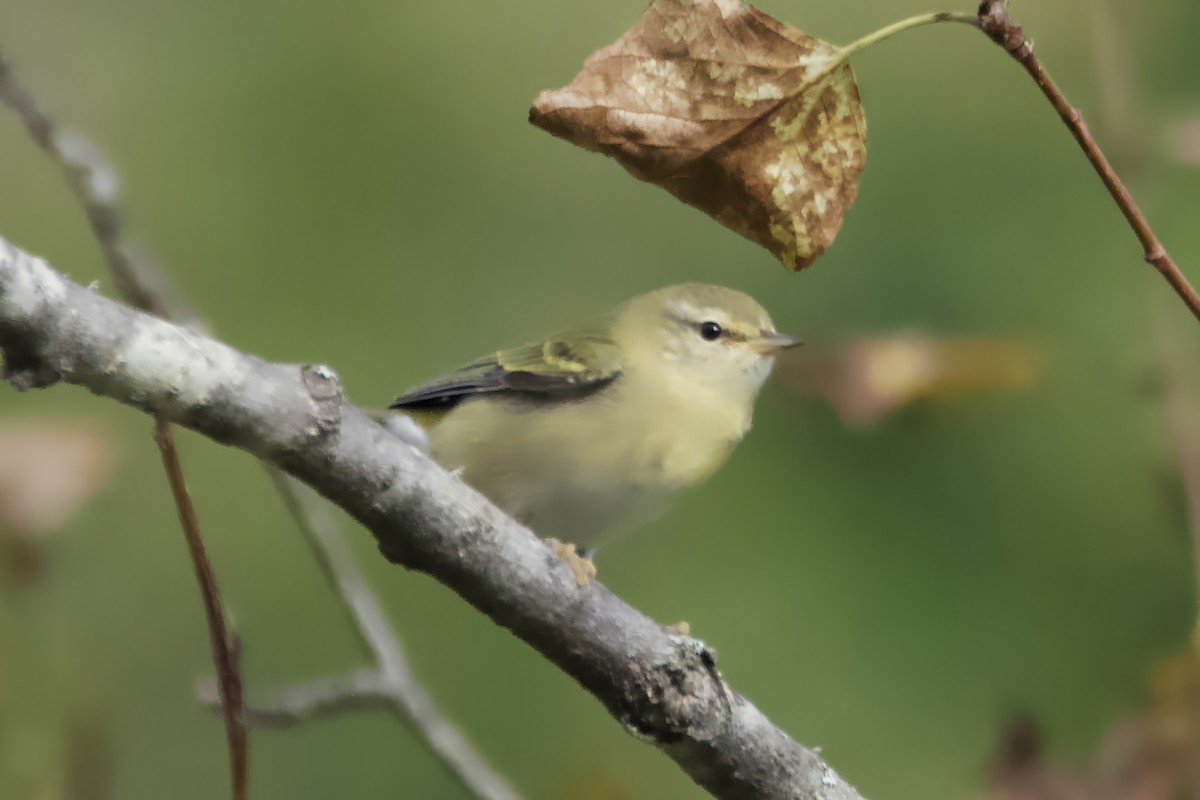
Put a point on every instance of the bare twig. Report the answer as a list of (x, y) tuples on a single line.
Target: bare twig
[(994, 21), (94, 185), (91, 180), (224, 645), (323, 698), (391, 685), (663, 687)]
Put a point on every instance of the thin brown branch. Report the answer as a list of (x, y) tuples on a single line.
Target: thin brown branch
[(391, 685), (94, 184), (994, 21), (224, 645)]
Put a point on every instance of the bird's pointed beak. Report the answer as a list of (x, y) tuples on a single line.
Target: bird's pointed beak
[(770, 343)]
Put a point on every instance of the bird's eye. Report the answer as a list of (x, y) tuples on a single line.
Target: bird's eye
[(710, 331)]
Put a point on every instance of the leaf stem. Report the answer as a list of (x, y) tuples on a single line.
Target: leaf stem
[(888, 31)]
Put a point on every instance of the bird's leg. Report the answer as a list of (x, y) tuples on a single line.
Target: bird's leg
[(577, 560)]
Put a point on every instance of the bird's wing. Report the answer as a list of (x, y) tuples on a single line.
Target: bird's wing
[(569, 363)]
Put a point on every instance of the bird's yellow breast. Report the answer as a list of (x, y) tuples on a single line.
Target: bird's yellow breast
[(575, 470)]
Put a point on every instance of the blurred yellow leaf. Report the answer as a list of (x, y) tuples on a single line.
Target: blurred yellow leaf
[(872, 376), (735, 113)]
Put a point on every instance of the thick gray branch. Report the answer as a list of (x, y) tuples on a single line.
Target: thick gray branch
[(662, 687)]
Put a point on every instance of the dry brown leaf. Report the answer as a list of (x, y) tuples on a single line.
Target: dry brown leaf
[(735, 113), (871, 377), (47, 470)]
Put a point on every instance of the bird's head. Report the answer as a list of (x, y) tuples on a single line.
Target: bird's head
[(714, 338)]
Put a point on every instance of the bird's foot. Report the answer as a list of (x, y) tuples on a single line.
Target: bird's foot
[(581, 565)]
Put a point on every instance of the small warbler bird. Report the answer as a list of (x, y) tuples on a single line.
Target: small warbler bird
[(589, 431)]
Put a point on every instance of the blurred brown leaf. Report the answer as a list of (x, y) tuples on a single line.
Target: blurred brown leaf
[(1019, 772), (871, 377), (735, 113), (47, 471), (1153, 755)]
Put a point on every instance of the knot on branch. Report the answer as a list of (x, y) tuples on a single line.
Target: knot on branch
[(681, 696), (995, 23), (325, 390)]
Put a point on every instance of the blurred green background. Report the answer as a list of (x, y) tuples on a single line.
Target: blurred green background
[(356, 183)]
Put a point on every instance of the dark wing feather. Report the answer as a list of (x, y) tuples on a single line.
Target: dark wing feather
[(566, 364)]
